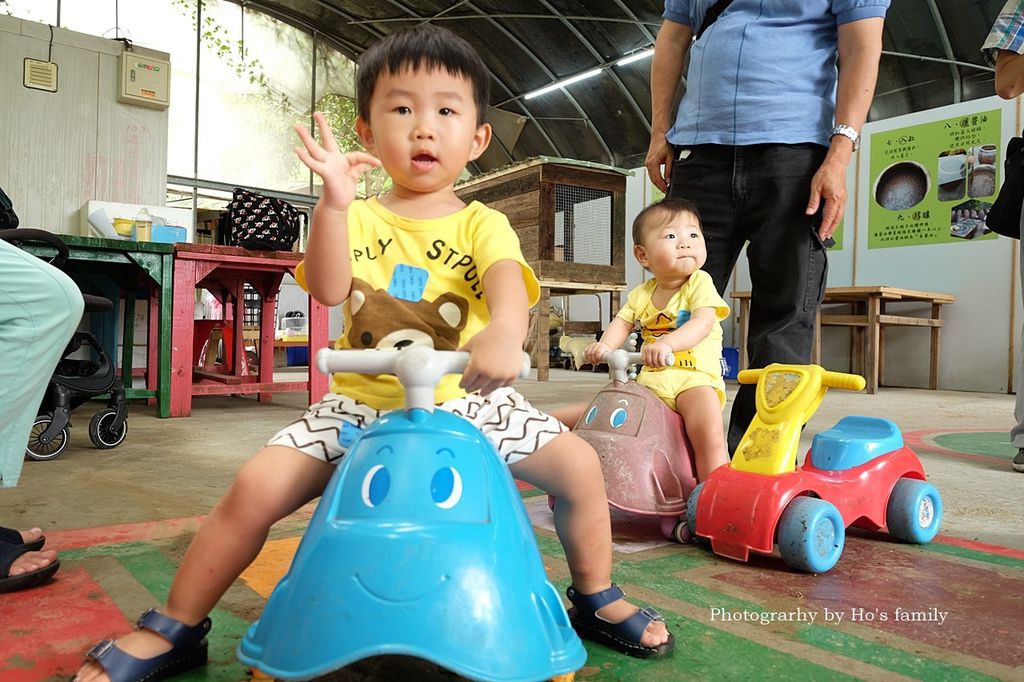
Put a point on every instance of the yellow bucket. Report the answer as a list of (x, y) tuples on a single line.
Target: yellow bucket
[(123, 226)]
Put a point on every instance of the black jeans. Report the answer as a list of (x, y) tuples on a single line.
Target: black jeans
[(758, 194)]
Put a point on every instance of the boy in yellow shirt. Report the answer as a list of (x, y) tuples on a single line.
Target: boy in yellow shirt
[(415, 266)]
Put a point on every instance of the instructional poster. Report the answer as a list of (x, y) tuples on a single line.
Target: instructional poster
[(934, 183)]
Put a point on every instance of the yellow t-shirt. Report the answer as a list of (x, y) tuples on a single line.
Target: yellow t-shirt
[(418, 282), (697, 292)]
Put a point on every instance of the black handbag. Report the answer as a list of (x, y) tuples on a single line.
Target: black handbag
[(261, 222), (8, 218), (1004, 216)]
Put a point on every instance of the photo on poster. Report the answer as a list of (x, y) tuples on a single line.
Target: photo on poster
[(952, 174), (967, 220), (933, 183), (902, 185)]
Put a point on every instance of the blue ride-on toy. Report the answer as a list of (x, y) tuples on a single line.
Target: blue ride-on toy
[(420, 546)]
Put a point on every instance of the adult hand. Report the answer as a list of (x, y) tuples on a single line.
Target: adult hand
[(659, 161), (828, 185), (340, 171)]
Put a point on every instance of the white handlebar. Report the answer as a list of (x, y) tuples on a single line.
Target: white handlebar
[(619, 361), (418, 368)]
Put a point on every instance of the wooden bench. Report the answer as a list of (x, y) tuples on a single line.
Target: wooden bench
[(867, 319)]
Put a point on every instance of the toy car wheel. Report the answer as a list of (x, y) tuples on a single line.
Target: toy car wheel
[(40, 452), (691, 513), (914, 511), (102, 432), (811, 534), (681, 533)]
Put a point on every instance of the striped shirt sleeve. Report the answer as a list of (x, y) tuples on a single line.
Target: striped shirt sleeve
[(1007, 32)]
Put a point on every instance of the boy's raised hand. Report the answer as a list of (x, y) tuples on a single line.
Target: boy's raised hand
[(340, 171)]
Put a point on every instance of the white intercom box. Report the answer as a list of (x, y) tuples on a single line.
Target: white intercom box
[(144, 80)]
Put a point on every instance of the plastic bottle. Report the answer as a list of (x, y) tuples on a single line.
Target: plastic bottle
[(143, 230)]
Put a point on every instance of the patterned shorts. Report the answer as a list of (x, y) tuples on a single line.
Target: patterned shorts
[(515, 427)]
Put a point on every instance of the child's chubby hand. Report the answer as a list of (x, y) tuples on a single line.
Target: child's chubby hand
[(657, 354), (340, 171), (495, 358), (596, 351)]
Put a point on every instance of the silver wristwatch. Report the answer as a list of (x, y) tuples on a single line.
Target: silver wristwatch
[(847, 131)]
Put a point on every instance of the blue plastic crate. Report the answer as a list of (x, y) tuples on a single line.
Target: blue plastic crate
[(297, 356), (730, 362)]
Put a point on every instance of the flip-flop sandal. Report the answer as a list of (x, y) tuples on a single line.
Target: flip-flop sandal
[(624, 636), (13, 537), (10, 583), (188, 651)]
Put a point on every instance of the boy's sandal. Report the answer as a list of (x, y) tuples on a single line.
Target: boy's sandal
[(10, 583), (13, 537), (624, 636), (188, 651)]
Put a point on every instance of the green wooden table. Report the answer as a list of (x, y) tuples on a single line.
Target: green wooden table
[(115, 268)]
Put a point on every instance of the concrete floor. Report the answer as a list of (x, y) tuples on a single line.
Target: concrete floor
[(123, 517), (173, 468)]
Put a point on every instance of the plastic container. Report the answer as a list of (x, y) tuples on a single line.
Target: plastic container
[(169, 234), (298, 356), (123, 226), (143, 228), (294, 324)]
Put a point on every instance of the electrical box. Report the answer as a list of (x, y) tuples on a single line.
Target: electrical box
[(144, 80)]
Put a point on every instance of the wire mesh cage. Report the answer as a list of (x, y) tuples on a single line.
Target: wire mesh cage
[(253, 303), (583, 225)]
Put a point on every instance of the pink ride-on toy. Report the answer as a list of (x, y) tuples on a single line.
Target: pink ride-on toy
[(645, 456)]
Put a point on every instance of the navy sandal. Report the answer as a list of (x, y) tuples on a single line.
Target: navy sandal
[(189, 650), (624, 636), (10, 583), (13, 537)]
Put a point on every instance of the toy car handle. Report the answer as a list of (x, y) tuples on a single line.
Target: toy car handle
[(849, 382), (619, 360), (418, 368)]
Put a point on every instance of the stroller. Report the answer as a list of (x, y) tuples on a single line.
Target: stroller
[(75, 380)]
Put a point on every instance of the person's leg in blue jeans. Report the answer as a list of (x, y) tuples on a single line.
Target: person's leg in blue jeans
[(758, 194), (40, 308)]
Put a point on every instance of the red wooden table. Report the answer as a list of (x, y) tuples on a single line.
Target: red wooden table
[(224, 271)]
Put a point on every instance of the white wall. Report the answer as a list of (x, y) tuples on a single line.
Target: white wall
[(62, 149)]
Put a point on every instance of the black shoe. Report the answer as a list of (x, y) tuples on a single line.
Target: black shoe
[(1018, 461)]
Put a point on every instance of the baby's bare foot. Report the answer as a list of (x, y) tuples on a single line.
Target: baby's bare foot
[(32, 561), (140, 644)]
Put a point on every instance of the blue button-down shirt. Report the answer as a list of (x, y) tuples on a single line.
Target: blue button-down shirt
[(765, 71)]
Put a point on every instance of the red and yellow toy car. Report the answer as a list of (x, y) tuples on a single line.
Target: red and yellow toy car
[(858, 473)]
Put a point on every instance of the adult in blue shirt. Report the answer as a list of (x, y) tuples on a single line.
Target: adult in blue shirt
[(761, 143)]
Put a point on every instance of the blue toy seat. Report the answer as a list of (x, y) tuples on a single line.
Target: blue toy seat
[(854, 441)]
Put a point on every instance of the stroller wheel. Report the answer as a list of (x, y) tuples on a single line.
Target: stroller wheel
[(102, 432), (43, 451)]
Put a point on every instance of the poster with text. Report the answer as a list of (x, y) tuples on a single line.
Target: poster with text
[(934, 183)]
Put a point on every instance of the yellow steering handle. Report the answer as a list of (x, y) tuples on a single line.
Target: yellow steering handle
[(749, 376), (847, 382)]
